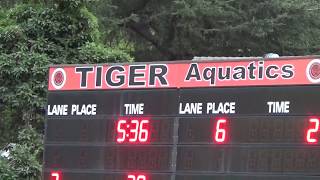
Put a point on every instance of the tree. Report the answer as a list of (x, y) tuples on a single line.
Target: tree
[(34, 35), (23, 160), (182, 29), (9, 3)]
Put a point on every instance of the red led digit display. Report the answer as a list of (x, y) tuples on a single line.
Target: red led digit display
[(313, 131), (135, 130), (137, 177), (55, 176), (220, 132)]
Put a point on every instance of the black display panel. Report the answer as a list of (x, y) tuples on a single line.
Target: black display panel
[(109, 176), (159, 102), (109, 157), (285, 160), (255, 133), (243, 177), (107, 101), (247, 129), (123, 176), (104, 130), (254, 101), (155, 103)]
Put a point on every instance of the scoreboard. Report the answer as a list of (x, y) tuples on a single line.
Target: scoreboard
[(252, 119)]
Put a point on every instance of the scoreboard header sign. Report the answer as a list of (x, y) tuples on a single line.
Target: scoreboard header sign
[(299, 71), (187, 120)]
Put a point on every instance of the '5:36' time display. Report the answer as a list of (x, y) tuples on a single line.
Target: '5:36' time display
[(134, 130)]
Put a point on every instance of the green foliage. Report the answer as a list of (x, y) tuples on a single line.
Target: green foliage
[(23, 161), (182, 29), (6, 172), (24, 156), (9, 3), (97, 53), (9, 120), (33, 36), (72, 4), (38, 36), (23, 79), (92, 24)]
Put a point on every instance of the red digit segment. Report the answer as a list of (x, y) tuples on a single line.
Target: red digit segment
[(312, 132), (144, 131), (135, 130), (137, 177), (121, 131), (55, 176), (220, 131)]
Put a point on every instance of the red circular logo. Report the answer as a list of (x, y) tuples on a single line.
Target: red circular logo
[(58, 78), (314, 70)]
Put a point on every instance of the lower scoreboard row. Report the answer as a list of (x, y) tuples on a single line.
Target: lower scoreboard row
[(204, 159), (163, 176)]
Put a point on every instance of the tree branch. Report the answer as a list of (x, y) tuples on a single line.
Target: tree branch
[(142, 30)]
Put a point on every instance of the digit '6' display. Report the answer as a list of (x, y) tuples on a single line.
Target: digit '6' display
[(133, 130), (220, 131)]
